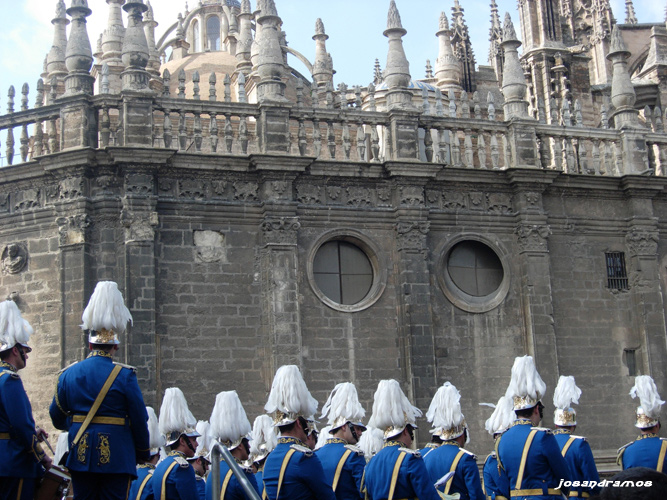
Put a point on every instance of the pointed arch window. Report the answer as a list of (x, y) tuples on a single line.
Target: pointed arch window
[(213, 33), (196, 42)]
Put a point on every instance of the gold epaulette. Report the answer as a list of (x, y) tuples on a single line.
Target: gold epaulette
[(469, 453), (410, 451), (181, 461), (126, 366), (355, 449), (302, 449), (578, 437), (543, 429)]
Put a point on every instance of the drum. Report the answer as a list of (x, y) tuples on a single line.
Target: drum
[(55, 484)]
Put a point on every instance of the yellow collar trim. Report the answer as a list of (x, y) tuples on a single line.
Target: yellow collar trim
[(98, 352), (11, 368)]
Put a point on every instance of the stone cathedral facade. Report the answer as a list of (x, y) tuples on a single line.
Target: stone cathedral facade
[(424, 230)]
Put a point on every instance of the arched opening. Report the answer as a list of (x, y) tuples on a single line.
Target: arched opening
[(196, 37), (213, 33)]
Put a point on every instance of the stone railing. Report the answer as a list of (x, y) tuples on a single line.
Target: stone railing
[(332, 126)]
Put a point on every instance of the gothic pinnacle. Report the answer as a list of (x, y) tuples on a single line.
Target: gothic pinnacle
[(55, 60), (514, 83), (394, 18), (79, 54), (630, 17), (623, 95), (323, 65), (509, 33)]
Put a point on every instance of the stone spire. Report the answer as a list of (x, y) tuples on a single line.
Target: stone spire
[(55, 60), (270, 66), (623, 95), (135, 48), (397, 71), (79, 54), (149, 29), (378, 77), (495, 39), (630, 17), (180, 46), (243, 63), (463, 48), (514, 84), (112, 37), (323, 68), (447, 66)]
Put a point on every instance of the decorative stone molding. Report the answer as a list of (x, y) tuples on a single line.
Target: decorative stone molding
[(280, 230), (14, 258), (642, 243), (4, 203), (245, 191), (455, 201), (359, 196), (139, 226), (71, 188), (192, 189), (308, 194), (210, 247), (499, 203), (412, 236), (72, 229), (533, 237), (27, 199), (334, 192), (412, 196), (532, 199), (139, 184)]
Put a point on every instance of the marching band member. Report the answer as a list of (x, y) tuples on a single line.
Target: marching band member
[(141, 488), (292, 471), (230, 427), (531, 466), (342, 461), (200, 461), (575, 449), (396, 471), (500, 420), (99, 402), (174, 478), (22, 460), (263, 441), (371, 442), (648, 450), (450, 425)]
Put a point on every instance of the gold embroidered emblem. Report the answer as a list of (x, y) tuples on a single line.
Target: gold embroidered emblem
[(103, 449), (82, 449)]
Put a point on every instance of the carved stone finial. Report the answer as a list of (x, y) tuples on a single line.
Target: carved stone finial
[(617, 42), (269, 8), (79, 54), (514, 83), (509, 33), (630, 17), (319, 27), (135, 47), (60, 9), (323, 66), (180, 31), (394, 18), (623, 95), (444, 22), (245, 7), (397, 72)]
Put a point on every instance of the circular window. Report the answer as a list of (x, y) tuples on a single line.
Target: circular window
[(473, 276), (344, 272)]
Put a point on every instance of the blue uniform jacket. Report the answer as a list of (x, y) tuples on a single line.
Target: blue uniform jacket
[(234, 489), (304, 477), (491, 477), (20, 452), (428, 449), (201, 487), (413, 478), (643, 452), (466, 479), (579, 458), (545, 466), (180, 482), (259, 478), (144, 473), (352, 473), (107, 446)]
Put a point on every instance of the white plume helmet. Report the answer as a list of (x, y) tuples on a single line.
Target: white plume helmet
[(13, 328), (156, 438), (502, 417), (371, 441), (566, 394), (392, 411), (105, 315), (289, 398), (204, 441), (62, 447), (343, 406), (263, 438), (176, 419), (323, 436), (445, 414), (648, 413), (229, 422), (526, 386)]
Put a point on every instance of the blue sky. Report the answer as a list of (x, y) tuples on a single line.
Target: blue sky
[(354, 26)]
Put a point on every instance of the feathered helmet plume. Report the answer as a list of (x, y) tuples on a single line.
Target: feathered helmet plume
[(157, 440), (176, 419), (204, 443), (371, 441), (502, 417), (289, 398), (526, 386), (263, 438), (392, 411), (229, 422), (445, 413), (343, 406), (105, 315), (323, 437), (648, 413), (566, 394), (13, 328)]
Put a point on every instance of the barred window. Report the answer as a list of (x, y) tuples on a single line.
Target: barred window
[(617, 275)]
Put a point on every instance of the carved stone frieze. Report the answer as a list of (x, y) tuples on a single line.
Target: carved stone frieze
[(245, 191), (139, 226), (219, 188), (308, 194), (533, 237), (71, 188), (27, 199), (434, 197), (454, 201), (411, 236), (642, 243), (139, 184), (412, 196), (359, 196), (166, 185), (4, 203), (14, 258), (104, 184), (499, 203), (334, 192), (384, 195), (277, 189), (192, 189), (72, 229), (532, 199), (476, 200), (280, 230)]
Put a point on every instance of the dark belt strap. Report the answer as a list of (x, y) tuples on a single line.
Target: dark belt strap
[(78, 419), (5, 435)]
